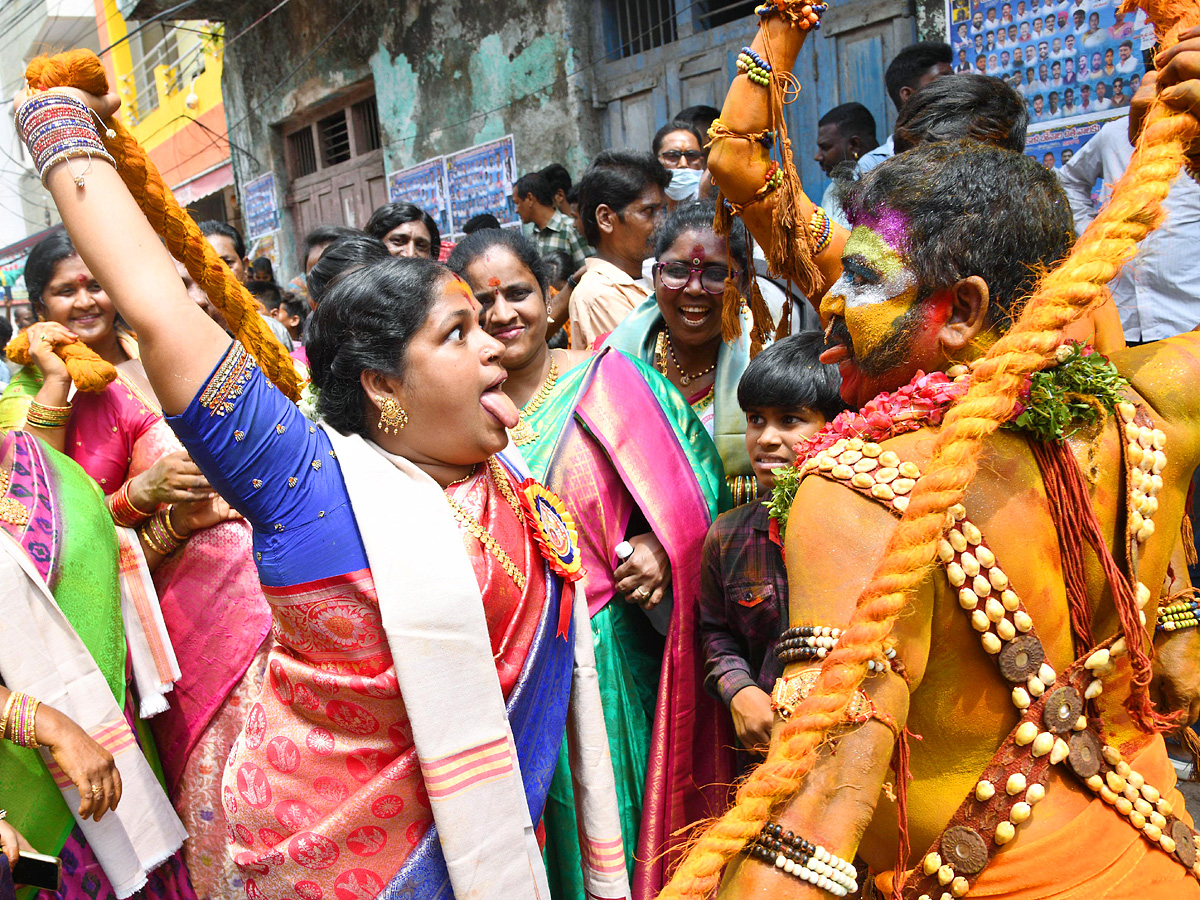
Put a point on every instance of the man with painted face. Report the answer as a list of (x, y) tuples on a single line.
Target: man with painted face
[(999, 621)]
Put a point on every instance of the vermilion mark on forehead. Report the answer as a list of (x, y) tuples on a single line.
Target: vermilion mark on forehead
[(465, 290), (82, 279), (698, 254), (493, 282)]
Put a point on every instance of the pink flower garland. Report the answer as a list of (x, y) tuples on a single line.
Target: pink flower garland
[(923, 401)]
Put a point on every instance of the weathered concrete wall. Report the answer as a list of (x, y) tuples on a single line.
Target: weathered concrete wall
[(931, 20), (447, 75)]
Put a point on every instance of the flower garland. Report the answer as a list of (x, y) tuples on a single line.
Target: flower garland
[(923, 401), (1054, 404)]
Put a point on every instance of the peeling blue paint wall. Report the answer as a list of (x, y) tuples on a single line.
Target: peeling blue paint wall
[(446, 76)]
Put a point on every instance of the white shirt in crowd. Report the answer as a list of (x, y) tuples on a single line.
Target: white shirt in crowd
[(1158, 292)]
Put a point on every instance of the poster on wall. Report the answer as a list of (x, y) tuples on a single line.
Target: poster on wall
[(425, 185), (266, 245), (1072, 60), (480, 180), (260, 206), (1054, 147)]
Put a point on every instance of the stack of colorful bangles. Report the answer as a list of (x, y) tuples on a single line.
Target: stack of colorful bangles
[(40, 415), (58, 128), (123, 511), (21, 713), (756, 68), (159, 535), (1179, 615), (808, 862)]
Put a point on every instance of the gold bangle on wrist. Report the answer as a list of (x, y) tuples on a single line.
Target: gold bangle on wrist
[(170, 528), (158, 537), (40, 415), (7, 710)]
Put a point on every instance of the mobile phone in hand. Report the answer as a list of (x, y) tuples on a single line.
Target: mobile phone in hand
[(38, 870)]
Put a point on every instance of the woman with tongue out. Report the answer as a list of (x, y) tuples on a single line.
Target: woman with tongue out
[(678, 330), (430, 651), (634, 465)]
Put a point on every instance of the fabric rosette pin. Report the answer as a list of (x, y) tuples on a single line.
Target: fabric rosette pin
[(554, 529)]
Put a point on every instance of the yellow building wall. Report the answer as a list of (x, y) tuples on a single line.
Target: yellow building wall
[(174, 122)]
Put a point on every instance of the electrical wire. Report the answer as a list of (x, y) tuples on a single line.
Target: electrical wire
[(605, 57)]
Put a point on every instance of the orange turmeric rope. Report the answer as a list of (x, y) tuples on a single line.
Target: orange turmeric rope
[(82, 69), (1063, 296)]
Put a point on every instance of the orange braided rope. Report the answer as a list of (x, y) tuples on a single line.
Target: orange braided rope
[(1063, 296), (82, 69), (88, 371)]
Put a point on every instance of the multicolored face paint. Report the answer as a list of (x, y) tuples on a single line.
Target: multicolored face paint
[(877, 289)]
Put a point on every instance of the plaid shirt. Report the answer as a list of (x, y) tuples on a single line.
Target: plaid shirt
[(560, 234), (743, 602)]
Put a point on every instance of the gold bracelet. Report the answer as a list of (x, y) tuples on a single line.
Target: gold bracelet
[(156, 535), (7, 710), (42, 416), (182, 538)]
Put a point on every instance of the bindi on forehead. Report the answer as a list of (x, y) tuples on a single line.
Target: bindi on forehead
[(493, 282), (82, 279), (698, 254)]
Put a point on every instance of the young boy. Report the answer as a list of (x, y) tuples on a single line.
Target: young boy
[(787, 395)]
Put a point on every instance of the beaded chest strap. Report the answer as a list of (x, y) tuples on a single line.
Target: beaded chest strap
[(1055, 728)]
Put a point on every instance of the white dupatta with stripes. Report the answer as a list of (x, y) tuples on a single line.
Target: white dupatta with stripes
[(41, 655), (434, 617)]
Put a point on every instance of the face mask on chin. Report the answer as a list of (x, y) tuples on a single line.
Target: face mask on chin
[(685, 185)]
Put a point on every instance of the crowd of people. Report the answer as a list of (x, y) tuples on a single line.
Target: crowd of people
[(501, 566)]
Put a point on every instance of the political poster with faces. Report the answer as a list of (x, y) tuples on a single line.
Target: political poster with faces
[(424, 185), (1073, 61), (480, 179)]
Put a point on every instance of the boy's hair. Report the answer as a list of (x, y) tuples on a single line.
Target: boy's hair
[(559, 266), (534, 183), (295, 306), (268, 293), (789, 375)]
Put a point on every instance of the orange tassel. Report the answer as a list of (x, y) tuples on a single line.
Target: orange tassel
[(763, 328), (723, 220), (89, 373), (82, 69), (731, 312)]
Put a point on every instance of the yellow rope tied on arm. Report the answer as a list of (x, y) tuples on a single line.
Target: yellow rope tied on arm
[(1064, 295), (82, 69)]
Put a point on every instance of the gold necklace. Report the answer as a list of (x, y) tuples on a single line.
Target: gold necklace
[(501, 481), (464, 479), (477, 531), (685, 378), (12, 510), (523, 433)]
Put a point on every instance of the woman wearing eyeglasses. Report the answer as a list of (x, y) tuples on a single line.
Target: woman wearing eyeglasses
[(678, 330), (634, 465), (679, 147)]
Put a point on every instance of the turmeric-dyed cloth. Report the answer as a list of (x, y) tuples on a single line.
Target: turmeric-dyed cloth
[(1098, 856)]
